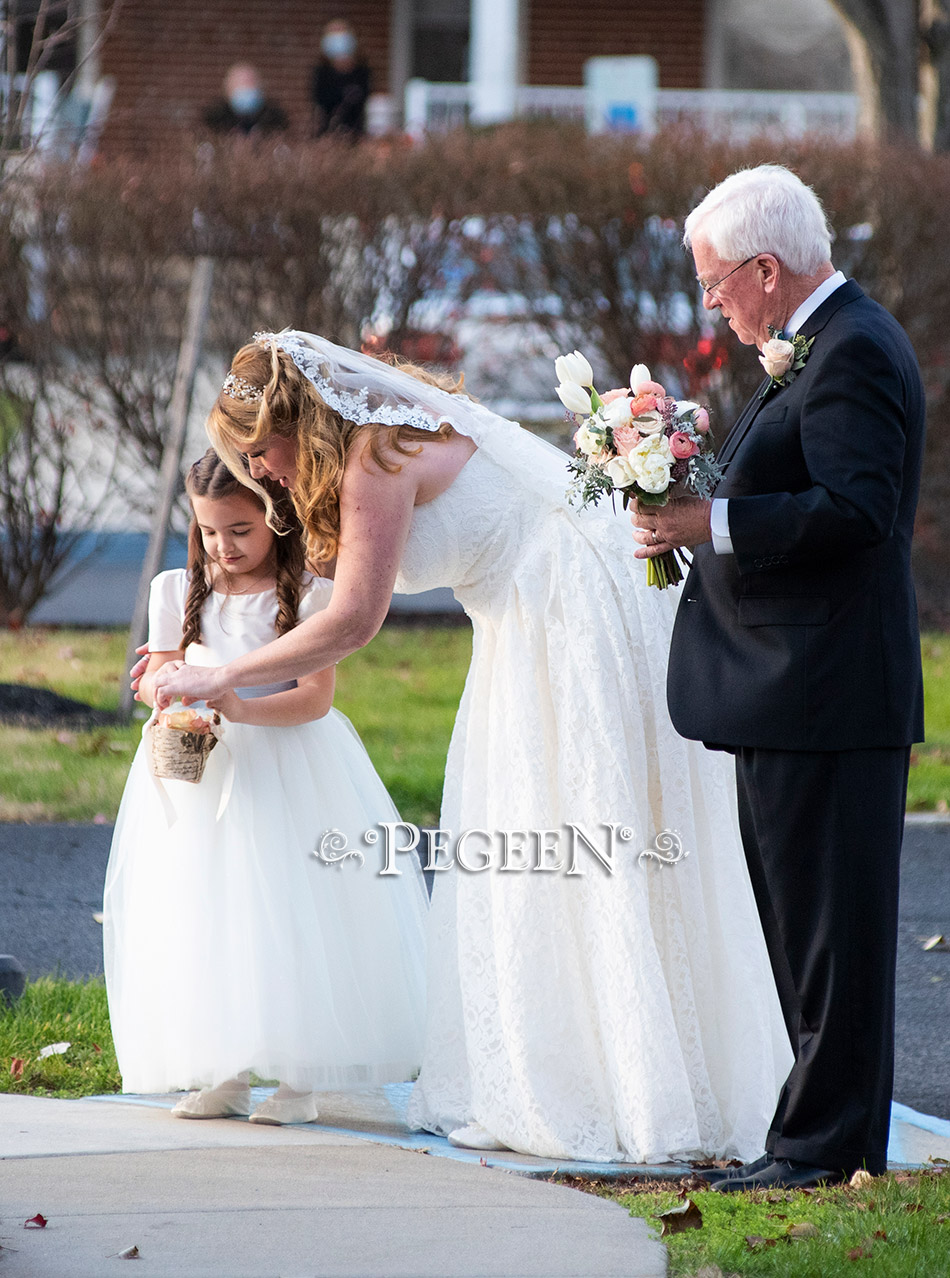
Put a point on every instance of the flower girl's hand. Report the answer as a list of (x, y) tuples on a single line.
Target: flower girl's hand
[(135, 674), (229, 705)]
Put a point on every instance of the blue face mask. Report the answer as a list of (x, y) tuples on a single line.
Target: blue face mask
[(246, 101), (338, 44)]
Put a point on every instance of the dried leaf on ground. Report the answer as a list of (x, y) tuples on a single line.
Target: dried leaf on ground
[(861, 1253), (755, 1242), (860, 1179), (678, 1219), (16, 1067)]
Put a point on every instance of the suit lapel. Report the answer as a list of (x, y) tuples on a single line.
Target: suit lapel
[(746, 418), (848, 292)]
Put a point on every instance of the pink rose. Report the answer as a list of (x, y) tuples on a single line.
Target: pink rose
[(625, 439), (651, 388), (644, 403), (609, 396), (701, 421), (681, 446)]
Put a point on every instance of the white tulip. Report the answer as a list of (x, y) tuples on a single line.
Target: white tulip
[(574, 368), (574, 398), (639, 376)]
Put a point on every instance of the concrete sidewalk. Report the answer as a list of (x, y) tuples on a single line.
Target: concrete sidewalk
[(224, 1198), (355, 1194)]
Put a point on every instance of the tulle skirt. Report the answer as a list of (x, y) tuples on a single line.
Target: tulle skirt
[(230, 946)]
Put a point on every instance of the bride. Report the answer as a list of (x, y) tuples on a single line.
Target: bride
[(606, 1014)]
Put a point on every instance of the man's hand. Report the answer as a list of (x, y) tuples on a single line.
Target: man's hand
[(684, 521)]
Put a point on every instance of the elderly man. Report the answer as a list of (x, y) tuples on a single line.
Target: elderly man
[(796, 647)]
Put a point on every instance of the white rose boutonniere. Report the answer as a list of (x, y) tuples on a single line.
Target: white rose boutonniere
[(782, 359)]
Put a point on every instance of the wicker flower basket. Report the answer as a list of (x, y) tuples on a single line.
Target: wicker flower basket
[(178, 754)]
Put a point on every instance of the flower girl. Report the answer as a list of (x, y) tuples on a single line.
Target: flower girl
[(229, 946)]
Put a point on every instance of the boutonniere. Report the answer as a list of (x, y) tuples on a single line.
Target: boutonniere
[(783, 360)]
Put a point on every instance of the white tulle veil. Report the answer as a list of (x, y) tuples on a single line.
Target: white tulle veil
[(365, 390)]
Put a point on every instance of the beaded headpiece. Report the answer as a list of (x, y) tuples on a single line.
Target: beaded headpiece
[(240, 388)]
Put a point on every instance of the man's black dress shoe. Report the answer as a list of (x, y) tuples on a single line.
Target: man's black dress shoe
[(780, 1173), (713, 1175)]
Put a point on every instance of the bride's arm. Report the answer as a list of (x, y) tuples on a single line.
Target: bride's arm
[(375, 514)]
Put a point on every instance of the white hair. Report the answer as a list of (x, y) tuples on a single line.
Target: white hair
[(764, 210)]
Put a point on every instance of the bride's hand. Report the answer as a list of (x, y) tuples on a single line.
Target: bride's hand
[(178, 682)]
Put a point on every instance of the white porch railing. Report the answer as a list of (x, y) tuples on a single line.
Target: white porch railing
[(737, 114)]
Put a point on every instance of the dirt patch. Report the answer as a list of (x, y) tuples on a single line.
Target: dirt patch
[(27, 707)]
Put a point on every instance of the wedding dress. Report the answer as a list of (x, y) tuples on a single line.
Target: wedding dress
[(606, 1014), (624, 1015)]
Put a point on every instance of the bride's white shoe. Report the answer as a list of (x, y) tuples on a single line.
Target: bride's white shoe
[(474, 1136), (215, 1102), (278, 1110)]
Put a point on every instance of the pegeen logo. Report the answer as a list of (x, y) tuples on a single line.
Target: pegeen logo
[(550, 851)]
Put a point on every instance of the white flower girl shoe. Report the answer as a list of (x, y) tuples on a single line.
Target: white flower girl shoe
[(278, 1110), (228, 1100)]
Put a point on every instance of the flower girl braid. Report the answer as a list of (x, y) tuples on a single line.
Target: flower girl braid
[(209, 477)]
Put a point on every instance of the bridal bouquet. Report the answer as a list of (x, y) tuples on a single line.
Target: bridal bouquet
[(637, 441)]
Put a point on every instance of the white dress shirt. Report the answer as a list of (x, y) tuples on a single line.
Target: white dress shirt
[(719, 516)]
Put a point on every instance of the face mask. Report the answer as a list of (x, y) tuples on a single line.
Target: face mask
[(338, 44), (246, 101)]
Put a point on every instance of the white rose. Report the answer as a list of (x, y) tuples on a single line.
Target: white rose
[(685, 406), (639, 376), (649, 423), (590, 442), (653, 473), (777, 357), (654, 446), (616, 413), (574, 368), (574, 398), (621, 472)]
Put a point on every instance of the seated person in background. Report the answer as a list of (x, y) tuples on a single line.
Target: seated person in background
[(341, 83), (244, 108)]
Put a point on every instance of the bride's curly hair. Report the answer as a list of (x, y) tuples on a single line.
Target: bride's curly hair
[(292, 409)]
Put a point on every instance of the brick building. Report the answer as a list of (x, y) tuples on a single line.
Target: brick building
[(168, 57)]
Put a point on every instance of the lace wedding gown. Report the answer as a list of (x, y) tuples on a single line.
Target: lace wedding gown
[(598, 1016)]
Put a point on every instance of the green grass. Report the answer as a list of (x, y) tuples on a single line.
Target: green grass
[(899, 1223), (401, 694), (56, 1011), (929, 787)]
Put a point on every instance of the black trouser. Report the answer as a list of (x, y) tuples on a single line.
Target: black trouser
[(822, 835)]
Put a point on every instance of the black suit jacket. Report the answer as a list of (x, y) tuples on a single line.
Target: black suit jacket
[(806, 637)]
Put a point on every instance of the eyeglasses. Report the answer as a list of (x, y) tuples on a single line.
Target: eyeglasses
[(711, 288)]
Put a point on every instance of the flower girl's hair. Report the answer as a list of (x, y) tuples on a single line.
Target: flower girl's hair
[(210, 477), (286, 403)]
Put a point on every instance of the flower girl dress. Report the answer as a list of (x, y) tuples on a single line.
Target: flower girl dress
[(229, 946)]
